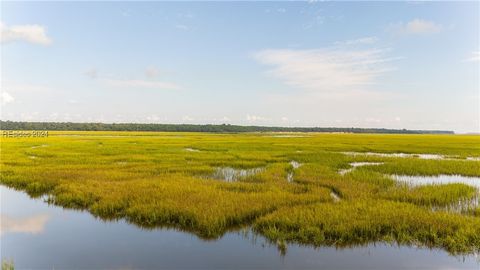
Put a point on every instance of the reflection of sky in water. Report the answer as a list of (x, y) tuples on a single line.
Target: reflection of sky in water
[(32, 224), (397, 155), (295, 165), (438, 180), (76, 239), (358, 164), (231, 174)]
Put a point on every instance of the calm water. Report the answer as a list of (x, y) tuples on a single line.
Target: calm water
[(36, 235), (438, 180), (295, 165), (231, 174), (398, 155), (358, 164)]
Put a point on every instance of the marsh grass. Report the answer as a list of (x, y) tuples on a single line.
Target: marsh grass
[(360, 222), (432, 195), (149, 179), (8, 265)]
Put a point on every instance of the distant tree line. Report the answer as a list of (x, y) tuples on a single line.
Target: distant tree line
[(223, 128)]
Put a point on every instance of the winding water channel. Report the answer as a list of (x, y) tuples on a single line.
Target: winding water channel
[(36, 235)]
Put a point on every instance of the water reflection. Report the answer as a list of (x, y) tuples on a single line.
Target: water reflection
[(38, 146), (358, 164), (295, 165), (229, 174), (398, 155), (75, 239), (288, 136), (33, 224), (463, 205), (438, 180), (335, 196)]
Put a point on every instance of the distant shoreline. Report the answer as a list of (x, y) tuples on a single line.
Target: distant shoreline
[(222, 128)]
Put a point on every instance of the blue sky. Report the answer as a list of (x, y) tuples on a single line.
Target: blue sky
[(356, 64)]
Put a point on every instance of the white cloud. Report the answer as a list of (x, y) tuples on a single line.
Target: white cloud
[(141, 84), (32, 33), (416, 26), (152, 72), (326, 70), (284, 119), (475, 57), (6, 98)]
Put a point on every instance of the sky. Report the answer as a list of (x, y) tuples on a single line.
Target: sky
[(413, 65)]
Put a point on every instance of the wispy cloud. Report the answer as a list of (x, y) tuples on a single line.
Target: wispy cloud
[(225, 119), (475, 57), (315, 21), (358, 41), (32, 33), (255, 118), (416, 27), (185, 15), (187, 118), (182, 27), (153, 118), (16, 87), (120, 83), (326, 69), (151, 73), (91, 73), (126, 12), (278, 10)]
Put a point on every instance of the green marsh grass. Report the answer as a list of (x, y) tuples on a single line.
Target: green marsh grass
[(360, 222), (151, 180), (8, 265), (433, 195)]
